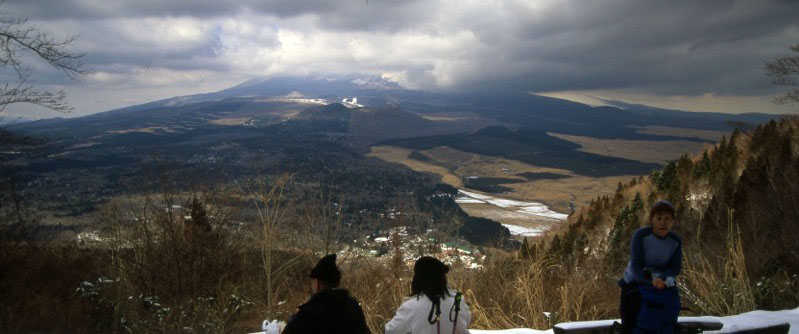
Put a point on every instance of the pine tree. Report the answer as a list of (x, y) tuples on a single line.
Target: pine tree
[(702, 168), (199, 218), (667, 176), (638, 203)]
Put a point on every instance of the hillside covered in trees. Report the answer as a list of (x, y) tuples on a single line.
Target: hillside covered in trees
[(737, 211)]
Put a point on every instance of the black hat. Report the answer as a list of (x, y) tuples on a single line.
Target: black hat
[(327, 271), (429, 267)]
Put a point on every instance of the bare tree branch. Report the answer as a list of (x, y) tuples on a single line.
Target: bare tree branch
[(18, 39), (784, 71), (27, 94)]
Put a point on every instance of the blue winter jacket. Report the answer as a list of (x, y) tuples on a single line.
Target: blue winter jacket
[(652, 256)]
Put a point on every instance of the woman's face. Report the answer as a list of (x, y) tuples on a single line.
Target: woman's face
[(662, 222)]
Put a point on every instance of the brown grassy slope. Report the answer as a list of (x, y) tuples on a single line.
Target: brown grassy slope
[(710, 135), (452, 165), (641, 150)]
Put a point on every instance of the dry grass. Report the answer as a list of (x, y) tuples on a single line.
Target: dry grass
[(400, 155), (557, 194), (230, 121), (144, 130), (641, 150), (683, 132), (719, 286), (231, 296), (513, 293), (448, 118)]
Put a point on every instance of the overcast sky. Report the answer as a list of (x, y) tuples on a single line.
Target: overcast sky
[(694, 55)]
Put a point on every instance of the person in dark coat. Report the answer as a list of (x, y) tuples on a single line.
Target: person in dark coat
[(649, 299), (331, 309)]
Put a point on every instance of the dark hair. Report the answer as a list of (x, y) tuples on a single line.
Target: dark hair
[(327, 272), (429, 278), (661, 206)]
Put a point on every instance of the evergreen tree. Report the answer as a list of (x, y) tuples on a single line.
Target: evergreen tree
[(702, 168), (667, 176), (199, 218), (617, 237), (638, 203)]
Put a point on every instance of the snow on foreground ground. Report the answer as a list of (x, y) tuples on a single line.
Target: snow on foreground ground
[(732, 324), (759, 319)]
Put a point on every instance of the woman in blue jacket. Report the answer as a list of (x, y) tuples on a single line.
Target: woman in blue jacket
[(649, 298)]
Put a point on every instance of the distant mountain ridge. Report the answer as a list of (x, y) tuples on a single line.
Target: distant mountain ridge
[(397, 116), (532, 111), (280, 86)]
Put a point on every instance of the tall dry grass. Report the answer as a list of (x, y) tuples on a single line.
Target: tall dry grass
[(511, 293), (719, 285)]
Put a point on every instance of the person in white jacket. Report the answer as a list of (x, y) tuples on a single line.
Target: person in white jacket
[(432, 308)]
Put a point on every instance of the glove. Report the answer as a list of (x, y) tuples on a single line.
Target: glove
[(271, 327), (670, 282)]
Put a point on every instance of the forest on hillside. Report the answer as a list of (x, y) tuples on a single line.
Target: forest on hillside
[(737, 207)]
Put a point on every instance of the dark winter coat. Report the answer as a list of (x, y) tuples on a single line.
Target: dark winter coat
[(328, 311)]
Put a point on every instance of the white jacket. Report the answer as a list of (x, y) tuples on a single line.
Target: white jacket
[(411, 317)]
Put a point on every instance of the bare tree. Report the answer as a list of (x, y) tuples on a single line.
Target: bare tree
[(784, 71), (19, 41)]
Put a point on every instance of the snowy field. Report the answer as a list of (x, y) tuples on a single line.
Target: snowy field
[(732, 324), (525, 231), (526, 209), (530, 208)]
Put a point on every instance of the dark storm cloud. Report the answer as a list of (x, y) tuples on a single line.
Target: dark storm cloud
[(680, 47), (332, 14), (661, 47)]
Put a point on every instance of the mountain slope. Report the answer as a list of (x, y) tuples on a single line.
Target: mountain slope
[(736, 213)]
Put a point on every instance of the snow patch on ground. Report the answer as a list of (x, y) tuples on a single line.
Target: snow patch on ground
[(468, 200), (530, 208), (524, 231), (511, 331), (759, 319), (524, 209), (731, 324)]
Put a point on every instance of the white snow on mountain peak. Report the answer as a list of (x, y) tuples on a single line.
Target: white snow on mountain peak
[(375, 83)]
